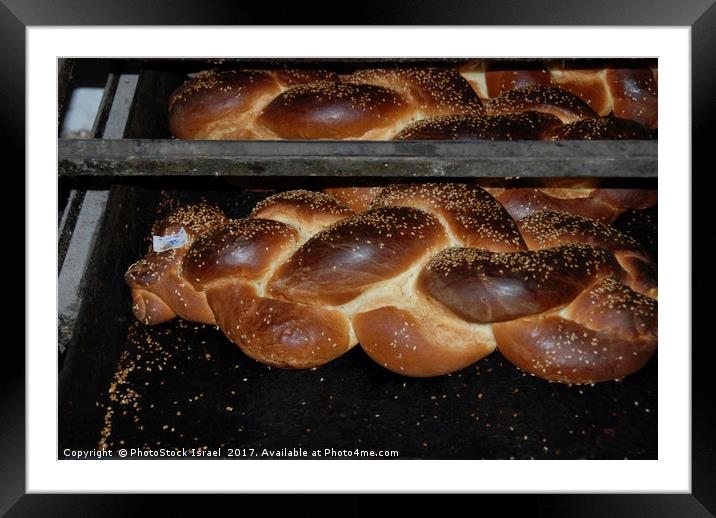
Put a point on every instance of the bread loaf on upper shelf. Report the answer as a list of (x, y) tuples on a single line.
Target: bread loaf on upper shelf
[(608, 87), (429, 279), (428, 103), (369, 105)]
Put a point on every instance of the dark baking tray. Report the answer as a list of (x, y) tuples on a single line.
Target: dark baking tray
[(183, 385)]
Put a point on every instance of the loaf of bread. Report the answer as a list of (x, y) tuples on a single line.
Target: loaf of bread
[(407, 104), (292, 104), (429, 279)]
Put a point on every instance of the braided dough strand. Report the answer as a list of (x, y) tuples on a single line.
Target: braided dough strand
[(428, 280)]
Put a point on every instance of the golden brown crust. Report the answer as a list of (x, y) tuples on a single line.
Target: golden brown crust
[(577, 191), (474, 73), (629, 93), (223, 105), (431, 91), (499, 80), (307, 211), (546, 99), (342, 261), (614, 307), (520, 202), (586, 83), (196, 218), (242, 249), (473, 217), (485, 287), (608, 332), (160, 273), (149, 308), (634, 95), (412, 344), (516, 126), (198, 107), (548, 229), (602, 128), (288, 77), (279, 333), (603, 205), (152, 268), (356, 198), (329, 110), (289, 104), (543, 347)]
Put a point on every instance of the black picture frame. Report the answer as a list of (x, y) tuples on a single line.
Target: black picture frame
[(700, 15)]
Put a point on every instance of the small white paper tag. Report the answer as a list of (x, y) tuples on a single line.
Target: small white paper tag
[(162, 243)]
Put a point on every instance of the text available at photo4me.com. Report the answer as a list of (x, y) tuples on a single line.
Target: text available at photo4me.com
[(133, 453)]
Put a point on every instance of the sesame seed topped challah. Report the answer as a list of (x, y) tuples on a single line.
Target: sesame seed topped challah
[(419, 103), (429, 279)]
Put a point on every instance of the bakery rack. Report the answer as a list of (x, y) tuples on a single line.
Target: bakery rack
[(110, 186), (132, 139)]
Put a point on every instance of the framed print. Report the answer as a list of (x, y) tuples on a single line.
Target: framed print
[(146, 392)]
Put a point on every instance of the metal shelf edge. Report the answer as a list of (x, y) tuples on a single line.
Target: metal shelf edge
[(142, 157)]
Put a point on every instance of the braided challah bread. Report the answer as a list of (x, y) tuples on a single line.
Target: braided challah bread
[(429, 279), (293, 104), (381, 104), (626, 91)]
